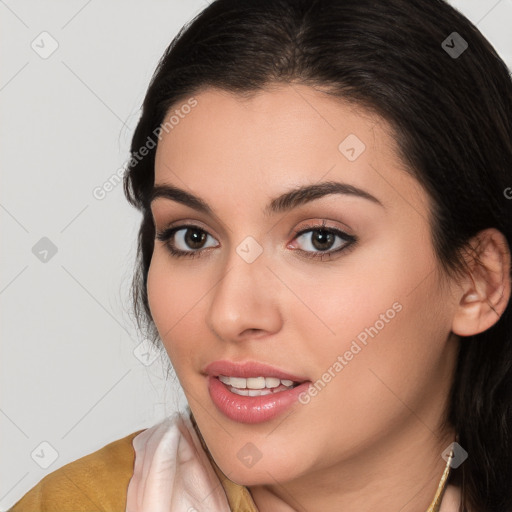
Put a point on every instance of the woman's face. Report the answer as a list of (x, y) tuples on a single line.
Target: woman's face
[(365, 330)]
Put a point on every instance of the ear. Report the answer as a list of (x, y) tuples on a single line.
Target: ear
[(485, 290)]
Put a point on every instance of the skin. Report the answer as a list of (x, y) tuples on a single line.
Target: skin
[(372, 438)]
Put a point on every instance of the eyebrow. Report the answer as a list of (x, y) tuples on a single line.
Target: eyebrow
[(285, 202)]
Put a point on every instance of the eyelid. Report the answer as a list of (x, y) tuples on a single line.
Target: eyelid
[(160, 216), (185, 223), (310, 225), (322, 224)]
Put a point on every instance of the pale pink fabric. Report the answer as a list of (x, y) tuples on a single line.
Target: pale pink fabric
[(172, 472), (451, 499)]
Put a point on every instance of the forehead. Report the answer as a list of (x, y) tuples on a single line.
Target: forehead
[(285, 136), (276, 124)]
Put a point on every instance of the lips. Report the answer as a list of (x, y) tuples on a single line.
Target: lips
[(252, 406)]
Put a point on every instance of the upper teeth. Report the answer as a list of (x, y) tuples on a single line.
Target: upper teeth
[(254, 382)]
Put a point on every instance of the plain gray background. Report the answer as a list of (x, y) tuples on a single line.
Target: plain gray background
[(74, 374)]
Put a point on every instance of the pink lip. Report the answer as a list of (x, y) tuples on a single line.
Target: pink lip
[(251, 409)]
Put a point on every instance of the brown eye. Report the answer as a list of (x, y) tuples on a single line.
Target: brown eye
[(185, 240), (322, 240), (194, 238)]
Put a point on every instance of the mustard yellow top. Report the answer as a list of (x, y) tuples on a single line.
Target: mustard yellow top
[(99, 482)]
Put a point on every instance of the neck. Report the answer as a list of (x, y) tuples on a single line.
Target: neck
[(401, 473)]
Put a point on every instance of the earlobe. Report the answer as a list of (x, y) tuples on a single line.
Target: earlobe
[(485, 292)]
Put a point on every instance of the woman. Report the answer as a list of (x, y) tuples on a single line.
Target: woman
[(325, 255)]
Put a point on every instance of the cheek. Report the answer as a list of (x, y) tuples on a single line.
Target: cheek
[(363, 299), (175, 302), (377, 312), (160, 297), (391, 323)]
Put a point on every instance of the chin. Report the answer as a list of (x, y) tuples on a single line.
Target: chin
[(263, 472)]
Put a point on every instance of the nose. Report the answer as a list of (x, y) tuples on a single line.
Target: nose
[(244, 302)]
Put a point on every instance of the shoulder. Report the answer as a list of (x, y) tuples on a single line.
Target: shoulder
[(95, 482)]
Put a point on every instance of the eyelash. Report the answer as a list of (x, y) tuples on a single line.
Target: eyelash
[(166, 235)]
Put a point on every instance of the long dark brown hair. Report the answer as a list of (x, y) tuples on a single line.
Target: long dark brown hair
[(450, 107)]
